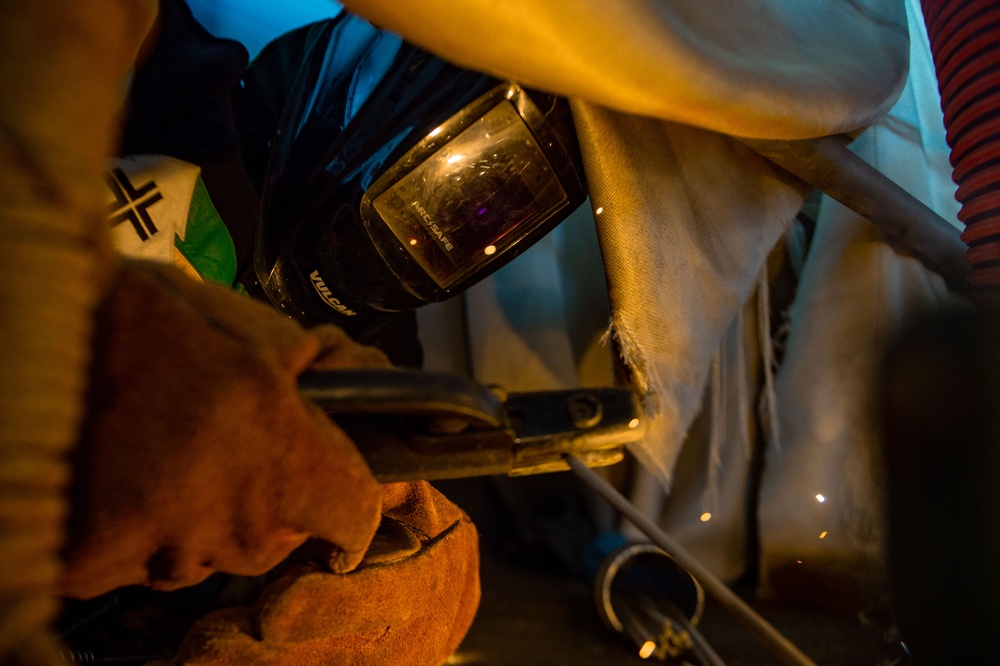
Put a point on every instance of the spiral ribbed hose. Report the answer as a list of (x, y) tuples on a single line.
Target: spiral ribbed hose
[(965, 43)]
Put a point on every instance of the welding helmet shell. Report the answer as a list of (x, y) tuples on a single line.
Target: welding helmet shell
[(397, 179)]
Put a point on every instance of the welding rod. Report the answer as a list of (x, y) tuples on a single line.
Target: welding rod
[(829, 166), (701, 647), (672, 640), (639, 631), (767, 634)]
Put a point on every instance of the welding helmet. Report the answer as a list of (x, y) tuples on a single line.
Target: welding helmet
[(397, 179)]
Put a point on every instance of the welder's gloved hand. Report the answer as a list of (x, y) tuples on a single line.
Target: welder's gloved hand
[(197, 453), (410, 601)]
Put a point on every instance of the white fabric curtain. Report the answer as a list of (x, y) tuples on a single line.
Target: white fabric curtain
[(821, 503)]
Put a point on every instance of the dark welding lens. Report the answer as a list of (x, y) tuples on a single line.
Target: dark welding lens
[(473, 198)]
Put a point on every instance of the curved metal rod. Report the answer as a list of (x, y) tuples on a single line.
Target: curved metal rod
[(829, 166)]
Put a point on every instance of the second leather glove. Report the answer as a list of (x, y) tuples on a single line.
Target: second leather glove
[(197, 453), (410, 602)]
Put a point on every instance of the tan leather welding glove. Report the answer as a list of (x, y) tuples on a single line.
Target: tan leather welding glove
[(198, 454), (410, 601)]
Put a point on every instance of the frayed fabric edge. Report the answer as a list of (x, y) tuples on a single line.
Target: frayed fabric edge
[(630, 354), (647, 386)]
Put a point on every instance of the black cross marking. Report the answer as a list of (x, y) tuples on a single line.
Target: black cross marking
[(131, 204)]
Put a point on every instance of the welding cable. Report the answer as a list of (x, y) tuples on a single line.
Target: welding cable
[(90, 617), (90, 657), (765, 632), (965, 45)]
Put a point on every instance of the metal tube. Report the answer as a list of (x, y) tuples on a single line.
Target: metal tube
[(767, 634)]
